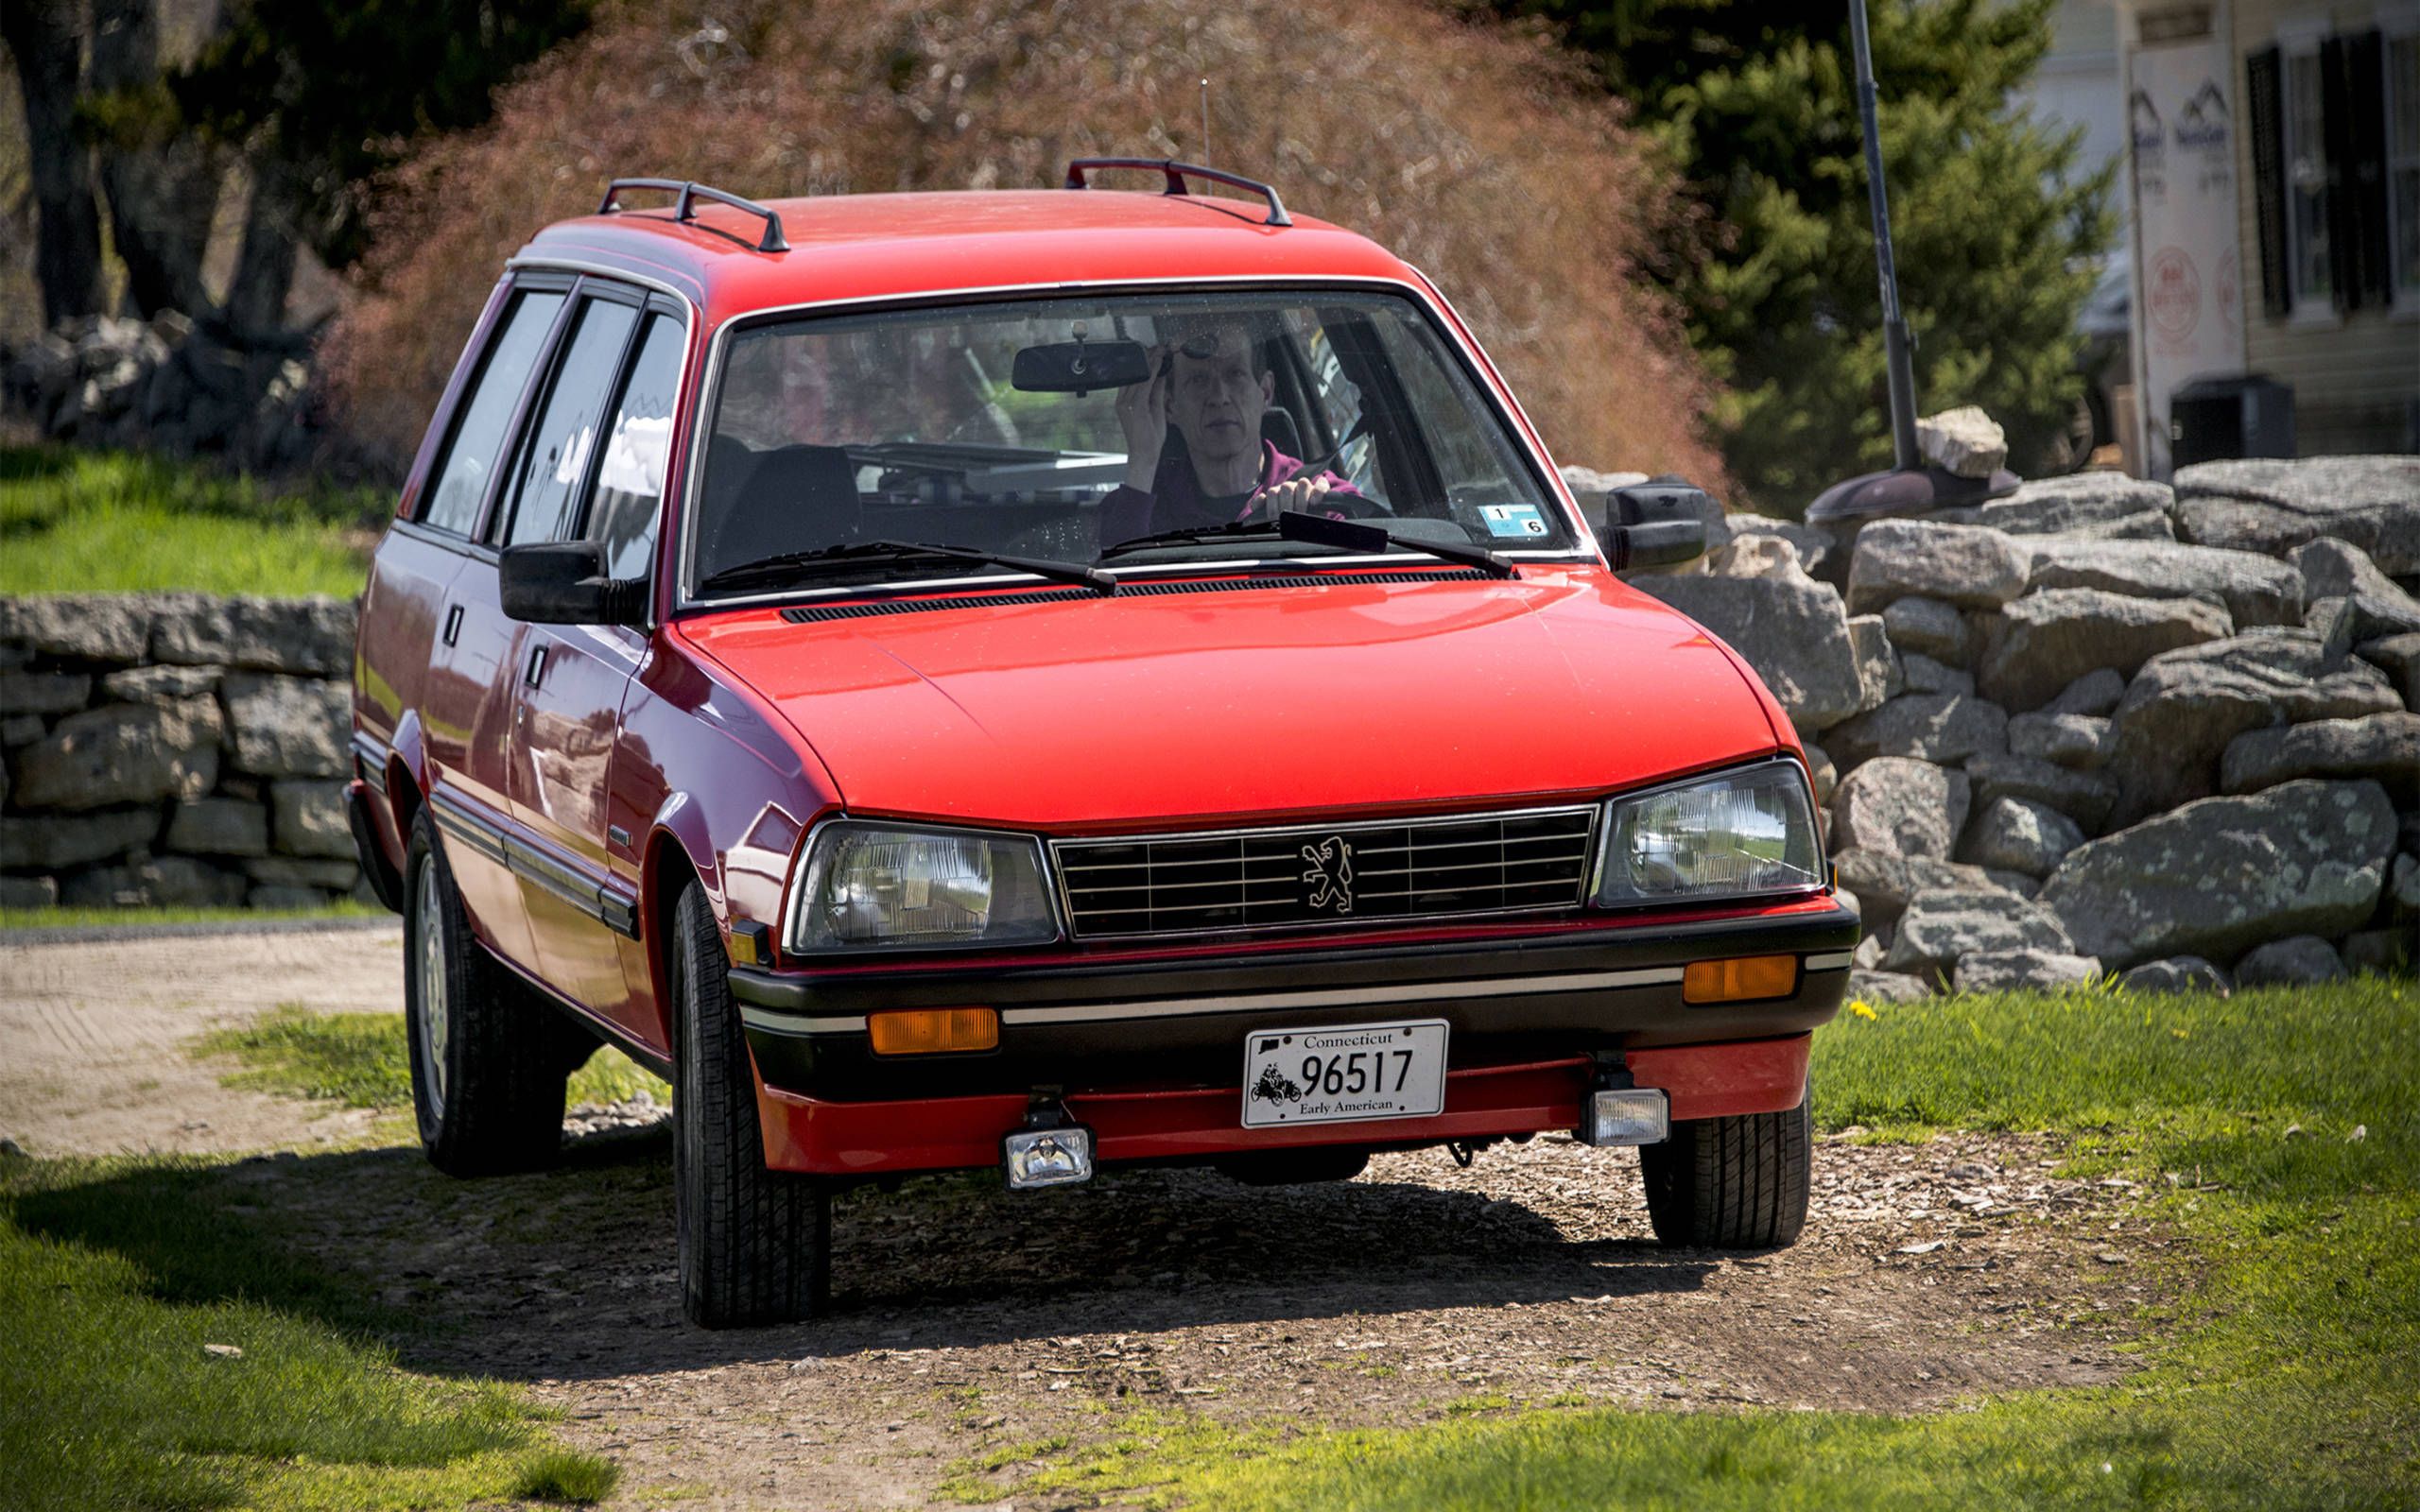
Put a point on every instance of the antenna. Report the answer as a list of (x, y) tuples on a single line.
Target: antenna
[(1205, 120)]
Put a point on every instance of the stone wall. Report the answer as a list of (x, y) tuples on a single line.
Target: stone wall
[(2106, 724), (175, 750)]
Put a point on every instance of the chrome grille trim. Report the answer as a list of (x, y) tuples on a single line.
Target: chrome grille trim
[(1158, 885)]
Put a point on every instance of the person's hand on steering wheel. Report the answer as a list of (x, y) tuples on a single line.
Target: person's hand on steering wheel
[(1306, 495)]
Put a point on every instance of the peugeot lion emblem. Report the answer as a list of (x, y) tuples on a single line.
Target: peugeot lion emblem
[(1329, 874)]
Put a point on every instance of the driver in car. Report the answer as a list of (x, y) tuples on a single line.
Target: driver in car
[(1211, 382)]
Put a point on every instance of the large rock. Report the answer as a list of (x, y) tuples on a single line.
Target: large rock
[(160, 684), (2178, 973), (2272, 507), (1884, 882), (1886, 987), (2298, 960), (2094, 692), (1964, 443), (2094, 506), (28, 892), (2083, 796), (2081, 741), (74, 840), (2218, 876), (1931, 727), (1899, 807), (1821, 772), (2335, 569), (1943, 927), (78, 627), (2019, 835), (306, 635), (2398, 657), (287, 727), (1919, 672), (1790, 628), (1813, 544), (311, 818), (218, 827), (1964, 565), (1877, 665), (123, 753), (2023, 971), (2255, 590), (2185, 707), (2044, 641), (303, 871), (44, 692), (1929, 627), (2385, 747)]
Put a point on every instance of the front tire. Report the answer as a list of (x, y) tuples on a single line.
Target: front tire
[(487, 1059), (754, 1243), (1732, 1183)]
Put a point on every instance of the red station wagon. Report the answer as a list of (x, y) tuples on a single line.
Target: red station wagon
[(1051, 680)]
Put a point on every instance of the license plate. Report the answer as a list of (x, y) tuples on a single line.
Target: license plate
[(1340, 1073)]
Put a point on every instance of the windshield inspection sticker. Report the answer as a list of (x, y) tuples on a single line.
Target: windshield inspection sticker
[(1514, 519)]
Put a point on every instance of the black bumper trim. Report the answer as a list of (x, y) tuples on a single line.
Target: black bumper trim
[(1168, 1023)]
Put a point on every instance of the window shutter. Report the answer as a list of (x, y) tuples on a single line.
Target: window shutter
[(2265, 70), (2357, 99)]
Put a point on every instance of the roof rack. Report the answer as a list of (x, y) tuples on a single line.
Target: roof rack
[(684, 209), (1177, 173)]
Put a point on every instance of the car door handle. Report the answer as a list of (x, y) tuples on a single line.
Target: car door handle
[(453, 622), (537, 666)]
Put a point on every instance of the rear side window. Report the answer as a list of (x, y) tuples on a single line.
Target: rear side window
[(556, 455), (472, 458), (630, 480)]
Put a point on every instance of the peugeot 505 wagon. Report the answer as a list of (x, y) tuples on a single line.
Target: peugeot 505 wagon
[(1050, 682)]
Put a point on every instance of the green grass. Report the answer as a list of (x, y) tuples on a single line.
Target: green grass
[(361, 1060), (113, 522), (108, 917), (162, 1352), (2288, 1375)]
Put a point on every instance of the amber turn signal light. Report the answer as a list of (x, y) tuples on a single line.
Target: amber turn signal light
[(930, 1031), (1739, 979)]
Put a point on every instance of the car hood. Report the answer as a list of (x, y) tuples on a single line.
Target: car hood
[(1359, 692)]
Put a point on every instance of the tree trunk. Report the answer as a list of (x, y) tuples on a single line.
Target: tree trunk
[(255, 309), (163, 183), (67, 247)]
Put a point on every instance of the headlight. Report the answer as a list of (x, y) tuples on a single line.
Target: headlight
[(1732, 836), (869, 885)]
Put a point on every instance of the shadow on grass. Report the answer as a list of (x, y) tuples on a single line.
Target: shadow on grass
[(570, 1273)]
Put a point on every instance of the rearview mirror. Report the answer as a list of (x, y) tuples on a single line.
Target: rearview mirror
[(564, 583), (1657, 523), (1079, 366)]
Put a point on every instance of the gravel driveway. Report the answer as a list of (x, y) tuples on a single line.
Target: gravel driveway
[(968, 1319)]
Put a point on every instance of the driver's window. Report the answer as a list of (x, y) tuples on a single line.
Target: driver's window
[(630, 476)]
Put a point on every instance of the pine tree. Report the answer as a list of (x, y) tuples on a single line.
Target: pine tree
[(1995, 220)]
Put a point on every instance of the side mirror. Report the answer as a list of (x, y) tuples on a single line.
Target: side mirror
[(564, 583), (1657, 523)]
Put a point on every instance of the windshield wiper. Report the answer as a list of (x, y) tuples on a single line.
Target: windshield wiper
[(1182, 534), (852, 552), (1359, 535)]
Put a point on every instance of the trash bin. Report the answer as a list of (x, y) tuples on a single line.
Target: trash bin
[(2211, 419)]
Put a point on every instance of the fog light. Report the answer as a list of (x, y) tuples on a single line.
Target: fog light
[(930, 1031), (1739, 979), (1049, 1157), (1627, 1115)]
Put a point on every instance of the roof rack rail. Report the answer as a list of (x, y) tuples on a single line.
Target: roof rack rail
[(1177, 173), (684, 209)]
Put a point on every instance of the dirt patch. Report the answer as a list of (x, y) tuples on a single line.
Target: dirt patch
[(968, 1319), (91, 1036)]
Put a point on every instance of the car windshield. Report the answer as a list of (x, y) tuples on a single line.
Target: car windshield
[(1053, 430)]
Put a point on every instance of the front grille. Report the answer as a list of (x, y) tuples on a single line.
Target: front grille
[(1327, 874)]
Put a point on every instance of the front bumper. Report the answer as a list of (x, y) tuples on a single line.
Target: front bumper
[(1149, 1051)]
